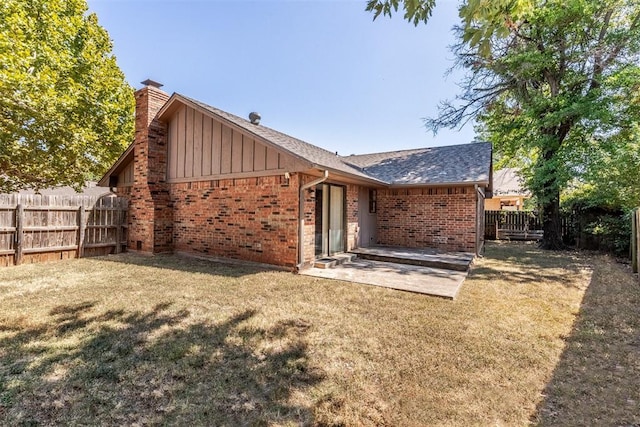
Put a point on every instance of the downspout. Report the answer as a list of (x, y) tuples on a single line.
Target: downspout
[(479, 216), (303, 188)]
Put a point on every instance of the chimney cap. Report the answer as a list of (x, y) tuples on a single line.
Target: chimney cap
[(153, 83), (254, 118)]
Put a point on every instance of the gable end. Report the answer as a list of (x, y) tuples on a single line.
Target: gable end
[(201, 146)]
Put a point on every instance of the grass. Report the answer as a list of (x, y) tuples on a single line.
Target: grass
[(534, 337)]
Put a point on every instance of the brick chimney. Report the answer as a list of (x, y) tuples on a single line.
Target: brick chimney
[(150, 217)]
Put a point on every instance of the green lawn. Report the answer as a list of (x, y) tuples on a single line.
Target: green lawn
[(534, 337)]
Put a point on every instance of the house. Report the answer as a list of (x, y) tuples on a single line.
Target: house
[(508, 191), (90, 189), (202, 180)]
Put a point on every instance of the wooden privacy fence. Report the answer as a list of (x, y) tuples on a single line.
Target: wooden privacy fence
[(524, 225), (512, 224), (635, 240), (36, 228)]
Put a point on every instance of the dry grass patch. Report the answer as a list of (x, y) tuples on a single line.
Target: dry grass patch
[(597, 381), (128, 339)]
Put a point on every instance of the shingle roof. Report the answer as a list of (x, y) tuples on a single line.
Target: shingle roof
[(301, 149), (90, 189), (466, 163), (436, 165), (506, 182)]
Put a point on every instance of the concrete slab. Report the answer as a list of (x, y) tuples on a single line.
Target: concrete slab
[(424, 280), (426, 257), (332, 261)]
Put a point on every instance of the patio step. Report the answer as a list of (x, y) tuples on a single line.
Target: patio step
[(332, 261), (456, 261)]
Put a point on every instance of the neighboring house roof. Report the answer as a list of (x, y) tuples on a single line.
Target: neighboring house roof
[(507, 182), (316, 156), (90, 189), (467, 163)]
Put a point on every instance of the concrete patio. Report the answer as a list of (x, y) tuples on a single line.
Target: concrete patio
[(413, 270)]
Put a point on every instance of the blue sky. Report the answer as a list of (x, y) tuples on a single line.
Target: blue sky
[(322, 70)]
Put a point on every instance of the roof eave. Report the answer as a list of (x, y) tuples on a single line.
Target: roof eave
[(167, 107), (484, 183), (104, 181), (353, 177), (495, 194)]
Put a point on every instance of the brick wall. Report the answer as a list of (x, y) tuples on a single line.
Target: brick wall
[(254, 219), (352, 216), (257, 218), (442, 218), (150, 222), (309, 220)]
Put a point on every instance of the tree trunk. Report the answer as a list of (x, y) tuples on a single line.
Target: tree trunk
[(550, 192), (551, 224)]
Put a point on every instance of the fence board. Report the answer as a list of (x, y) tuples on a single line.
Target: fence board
[(633, 248), (82, 225), (637, 237), (19, 233), (41, 226), (510, 220)]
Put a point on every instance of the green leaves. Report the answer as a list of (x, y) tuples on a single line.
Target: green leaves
[(66, 111), (415, 11), (570, 75), (554, 85), (486, 20)]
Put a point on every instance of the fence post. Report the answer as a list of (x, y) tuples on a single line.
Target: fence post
[(634, 241), (81, 229), (637, 237), (19, 238), (118, 224)]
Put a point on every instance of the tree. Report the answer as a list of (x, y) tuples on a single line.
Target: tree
[(546, 80), (66, 112), (415, 11), (609, 178)]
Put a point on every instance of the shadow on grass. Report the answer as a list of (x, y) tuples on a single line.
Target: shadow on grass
[(192, 264), (597, 380), (121, 368), (524, 263)]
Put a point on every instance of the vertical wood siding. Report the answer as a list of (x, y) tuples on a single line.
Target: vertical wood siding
[(236, 153), (206, 147), (200, 146), (180, 145), (125, 178), (188, 151)]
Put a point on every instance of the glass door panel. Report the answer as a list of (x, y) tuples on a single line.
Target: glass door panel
[(336, 219), (320, 218), (329, 220)]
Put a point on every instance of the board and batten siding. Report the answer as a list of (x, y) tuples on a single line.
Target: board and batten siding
[(125, 178), (201, 147)]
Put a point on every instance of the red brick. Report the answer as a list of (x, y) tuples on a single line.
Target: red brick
[(442, 218), (257, 218)]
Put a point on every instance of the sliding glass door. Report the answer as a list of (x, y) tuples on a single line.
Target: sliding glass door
[(330, 221)]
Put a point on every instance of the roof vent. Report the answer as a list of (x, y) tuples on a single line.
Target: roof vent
[(153, 83), (254, 118)]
